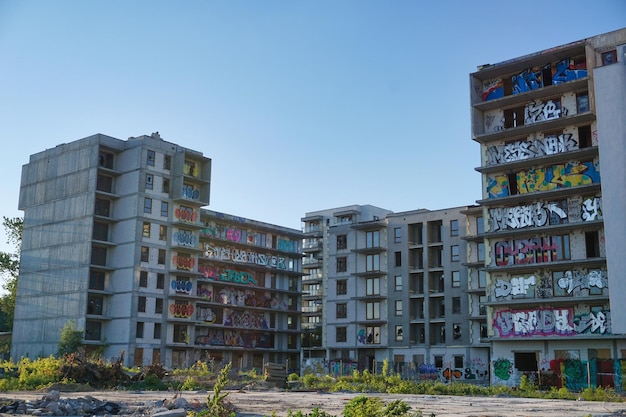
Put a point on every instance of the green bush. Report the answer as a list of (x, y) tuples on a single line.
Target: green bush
[(39, 373)]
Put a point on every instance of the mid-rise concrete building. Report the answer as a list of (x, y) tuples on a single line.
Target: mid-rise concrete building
[(389, 286), (115, 239), (551, 131)]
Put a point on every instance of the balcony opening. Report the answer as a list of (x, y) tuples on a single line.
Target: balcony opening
[(592, 244), (584, 137)]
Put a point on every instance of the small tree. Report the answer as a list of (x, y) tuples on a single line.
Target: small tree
[(216, 403), (71, 339)]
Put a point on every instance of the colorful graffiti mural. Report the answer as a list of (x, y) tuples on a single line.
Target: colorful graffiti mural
[(244, 319), (572, 174), (531, 251), (235, 338), (582, 279), (539, 322), (528, 149), (597, 322), (492, 89), (190, 192), (248, 298), (538, 77)]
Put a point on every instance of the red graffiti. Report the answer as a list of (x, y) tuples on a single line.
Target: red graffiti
[(181, 310), (451, 373), (185, 214), (184, 262)]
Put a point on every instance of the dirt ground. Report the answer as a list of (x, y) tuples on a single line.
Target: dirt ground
[(262, 403)]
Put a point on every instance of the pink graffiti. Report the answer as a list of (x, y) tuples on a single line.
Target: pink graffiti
[(526, 251), (540, 322)]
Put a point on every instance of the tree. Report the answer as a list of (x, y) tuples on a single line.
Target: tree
[(71, 339), (9, 270)]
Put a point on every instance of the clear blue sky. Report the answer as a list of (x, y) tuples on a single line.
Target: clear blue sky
[(302, 105)]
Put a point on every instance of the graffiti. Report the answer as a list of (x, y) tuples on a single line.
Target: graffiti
[(427, 371), (184, 238), (238, 277), (251, 298), (287, 245), (449, 374), (213, 337), (544, 287), (243, 319), (183, 262), (594, 322), (206, 314), (209, 231), (247, 339), (583, 280), (190, 192), (502, 368), (209, 271), (532, 215), (492, 89), (592, 209), (536, 111), (342, 367), (540, 322), (525, 149), (531, 251), (568, 70), (242, 256), (529, 79), (186, 214), (567, 175), (181, 287), (497, 186), (361, 336), (181, 310), (516, 286), (234, 235), (205, 293)]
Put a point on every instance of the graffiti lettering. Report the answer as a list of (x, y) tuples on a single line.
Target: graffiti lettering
[(523, 149), (502, 368), (242, 256), (184, 238), (568, 70), (181, 287), (541, 322), (190, 192), (536, 111), (567, 175), (184, 262), (533, 215), (583, 280), (594, 322), (245, 320), (492, 89), (181, 310), (186, 214), (234, 235), (592, 209), (517, 286), (531, 251)]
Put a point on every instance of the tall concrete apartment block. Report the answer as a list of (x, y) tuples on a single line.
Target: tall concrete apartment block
[(551, 129), (115, 239), (383, 286)]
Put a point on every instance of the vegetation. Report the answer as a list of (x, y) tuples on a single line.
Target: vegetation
[(71, 339), (216, 403), (9, 271)]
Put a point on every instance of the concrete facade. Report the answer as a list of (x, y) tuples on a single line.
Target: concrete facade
[(115, 239), (545, 122)]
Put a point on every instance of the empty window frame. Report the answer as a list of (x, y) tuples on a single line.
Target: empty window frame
[(96, 280), (145, 254), (162, 232), (398, 282), (104, 183), (143, 279), (397, 234), (98, 255), (147, 205), (158, 305), (342, 241), (161, 257), (139, 330), (165, 186), (149, 181), (100, 231), (399, 333), (150, 158), (592, 244), (342, 286), (341, 334), (141, 304), (164, 209), (160, 283), (102, 207), (167, 162), (456, 279), (342, 264), (157, 331), (95, 304), (145, 230), (341, 310), (398, 258)]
